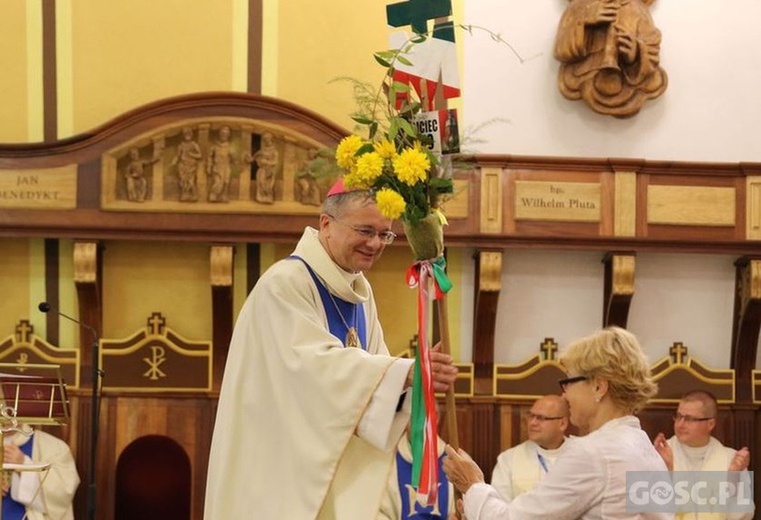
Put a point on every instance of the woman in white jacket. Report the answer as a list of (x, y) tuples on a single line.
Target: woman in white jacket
[(608, 381)]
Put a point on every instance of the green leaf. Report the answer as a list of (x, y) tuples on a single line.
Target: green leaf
[(391, 94), (381, 61), (403, 60), (362, 120), (400, 87), (407, 127), (409, 109), (393, 128), (373, 129), (365, 148), (386, 55), (440, 185)]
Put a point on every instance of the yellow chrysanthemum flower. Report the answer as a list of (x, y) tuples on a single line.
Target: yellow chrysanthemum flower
[(347, 150), (390, 203), (352, 179), (369, 168), (385, 149), (411, 166)]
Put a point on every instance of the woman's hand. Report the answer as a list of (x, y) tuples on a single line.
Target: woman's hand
[(462, 471)]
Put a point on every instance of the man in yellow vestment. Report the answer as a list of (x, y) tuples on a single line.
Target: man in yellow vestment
[(521, 467), (693, 448)]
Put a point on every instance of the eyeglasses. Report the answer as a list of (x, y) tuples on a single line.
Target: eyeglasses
[(368, 233), (689, 419), (569, 381), (530, 416)]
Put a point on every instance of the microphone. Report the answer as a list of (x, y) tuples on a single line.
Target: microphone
[(46, 307)]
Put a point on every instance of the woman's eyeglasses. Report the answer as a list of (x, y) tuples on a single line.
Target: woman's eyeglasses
[(570, 380)]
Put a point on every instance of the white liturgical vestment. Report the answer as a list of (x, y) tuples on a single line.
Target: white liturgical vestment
[(306, 428), (715, 457)]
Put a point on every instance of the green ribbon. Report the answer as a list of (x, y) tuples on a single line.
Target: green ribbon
[(439, 273)]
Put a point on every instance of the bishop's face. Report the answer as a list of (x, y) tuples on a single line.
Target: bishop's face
[(351, 238)]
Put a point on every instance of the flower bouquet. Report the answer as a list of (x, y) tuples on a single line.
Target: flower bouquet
[(395, 162)]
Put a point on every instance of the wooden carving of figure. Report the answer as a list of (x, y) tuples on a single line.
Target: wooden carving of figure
[(307, 190), (219, 166), (134, 174), (187, 159), (266, 168), (610, 55)]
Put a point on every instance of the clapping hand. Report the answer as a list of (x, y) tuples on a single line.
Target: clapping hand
[(664, 450), (741, 460)]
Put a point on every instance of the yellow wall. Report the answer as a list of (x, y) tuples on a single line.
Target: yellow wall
[(140, 278), (321, 41), (22, 284), (15, 272), (126, 54), (13, 80)]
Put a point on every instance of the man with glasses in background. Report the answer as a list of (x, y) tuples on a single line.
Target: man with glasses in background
[(521, 467), (312, 405), (693, 448)]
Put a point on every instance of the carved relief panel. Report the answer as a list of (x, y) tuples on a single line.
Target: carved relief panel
[(219, 165)]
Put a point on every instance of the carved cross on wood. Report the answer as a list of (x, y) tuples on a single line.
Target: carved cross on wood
[(23, 331), (156, 324), (678, 352), (548, 348)]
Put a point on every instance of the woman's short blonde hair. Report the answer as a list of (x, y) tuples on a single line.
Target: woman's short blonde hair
[(613, 354)]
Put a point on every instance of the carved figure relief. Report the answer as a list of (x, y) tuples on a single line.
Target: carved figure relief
[(266, 159), (186, 161), (135, 176), (307, 190), (317, 172), (223, 165), (219, 164), (610, 55)]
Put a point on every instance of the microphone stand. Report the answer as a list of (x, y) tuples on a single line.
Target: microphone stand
[(97, 374), (94, 425)]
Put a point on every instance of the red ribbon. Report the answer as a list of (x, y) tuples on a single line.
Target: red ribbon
[(414, 274), (421, 273)]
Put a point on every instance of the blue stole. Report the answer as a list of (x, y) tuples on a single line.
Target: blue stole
[(411, 509), (353, 313), (13, 510)]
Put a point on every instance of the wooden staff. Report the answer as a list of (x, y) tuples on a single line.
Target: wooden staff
[(450, 405), (453, 438), (440, 103)]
